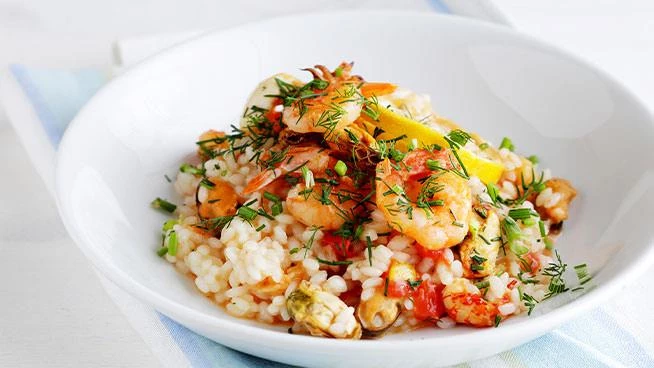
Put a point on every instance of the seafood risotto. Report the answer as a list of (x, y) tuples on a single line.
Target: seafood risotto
[(348, 209)]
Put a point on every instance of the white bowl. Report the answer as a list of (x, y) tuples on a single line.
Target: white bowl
[(491, 80)]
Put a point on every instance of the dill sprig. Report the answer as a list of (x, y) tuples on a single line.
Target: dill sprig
[(456, 140), (555, 271), (528, 300)]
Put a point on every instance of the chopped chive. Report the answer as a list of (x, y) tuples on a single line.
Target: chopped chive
[(482, 284), (459, 137), (276, 208), (534, 159), (172, 243), (582, 273), (340, 168), (493, 191), (167, 178), (484, 239), (483, 146), (541, 226), (308, 177), (539, 187), (206, 183), (456, 223), (507, 143), (511, 229), (168, 225), (476, 267), (513, 234), (294, 250), (260, 227), (190, 169), (518, 249), (247, 213), (334, 263), (271, 197), (163, 204), (369, 246), (414, 283), (436, 202), (162, 251), (522, 213), (529, 221)]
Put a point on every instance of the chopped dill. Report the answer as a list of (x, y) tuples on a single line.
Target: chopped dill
[(334, 263), (555, 271)]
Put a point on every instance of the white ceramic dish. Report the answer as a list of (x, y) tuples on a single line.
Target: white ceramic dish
[(489, 79)]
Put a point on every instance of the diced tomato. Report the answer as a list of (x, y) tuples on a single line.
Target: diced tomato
[(532, 261), (428, 253), (398, 289), (399, 274), (343, 247), (428, 301)]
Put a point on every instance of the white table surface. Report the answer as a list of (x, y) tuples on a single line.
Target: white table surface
[(53, 310)]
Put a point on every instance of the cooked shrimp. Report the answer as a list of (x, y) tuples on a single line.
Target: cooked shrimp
[(333, 106), (219, 200), (260, 99), (546, 204), (314, 158), (324, 206), (465, 304), (432, 207), (209, 141)]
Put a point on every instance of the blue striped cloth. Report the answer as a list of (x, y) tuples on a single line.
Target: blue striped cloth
[(612, 336)]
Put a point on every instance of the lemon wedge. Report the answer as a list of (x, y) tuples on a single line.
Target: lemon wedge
[(395, 125)]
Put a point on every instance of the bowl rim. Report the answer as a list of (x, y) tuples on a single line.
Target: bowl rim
[(232, 325)]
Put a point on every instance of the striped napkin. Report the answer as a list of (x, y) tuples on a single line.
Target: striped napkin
[(41, 102)]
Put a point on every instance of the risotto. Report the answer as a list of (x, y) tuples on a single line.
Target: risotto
[(349, 209)]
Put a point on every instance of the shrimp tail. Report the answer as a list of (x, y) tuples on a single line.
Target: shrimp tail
[(261, 180)]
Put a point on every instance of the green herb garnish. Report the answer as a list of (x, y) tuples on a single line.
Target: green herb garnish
[(582, 273), (369, 247), (555, 271), (507, 143), (340, 168), (522, 213), (163, 204), (190, 169), (172, 243), (334, 263)]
